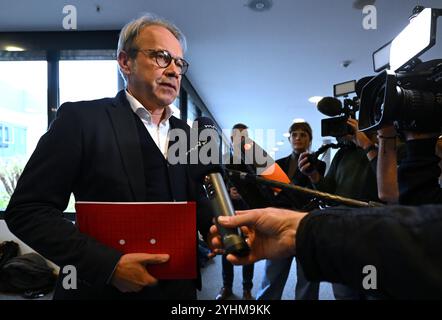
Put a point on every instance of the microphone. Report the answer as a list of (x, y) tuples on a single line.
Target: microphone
[(327, 197), (330, 106), (210, 174)]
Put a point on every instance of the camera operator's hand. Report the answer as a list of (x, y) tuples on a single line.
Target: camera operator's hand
[(387, 131), (359, 138), (270, 232), (386, 171), (306, 168)]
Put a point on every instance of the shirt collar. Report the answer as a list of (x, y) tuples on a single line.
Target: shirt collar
[(142, 112)]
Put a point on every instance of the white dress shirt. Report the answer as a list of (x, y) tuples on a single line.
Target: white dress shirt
[(160, 132)]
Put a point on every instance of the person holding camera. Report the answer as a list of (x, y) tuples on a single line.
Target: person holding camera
[(277, 270), (416, 180), (352, 174)]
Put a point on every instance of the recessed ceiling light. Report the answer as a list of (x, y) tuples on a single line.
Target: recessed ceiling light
[(260, 5), (297, 120), (12, 48), (286, 134), (280, 143), (315, 99), (275, 149)]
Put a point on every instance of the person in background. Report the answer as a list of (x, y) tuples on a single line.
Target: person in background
[(277, 271), (239, 132)]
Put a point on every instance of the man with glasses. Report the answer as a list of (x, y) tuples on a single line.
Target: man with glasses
[(111, 150)]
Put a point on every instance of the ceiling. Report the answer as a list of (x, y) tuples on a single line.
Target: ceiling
[(258, 68)]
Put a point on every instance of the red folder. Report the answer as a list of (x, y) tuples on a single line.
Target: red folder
[(154, 227)]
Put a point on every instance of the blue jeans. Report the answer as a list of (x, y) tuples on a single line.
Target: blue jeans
[(247, 274), (275, 277)]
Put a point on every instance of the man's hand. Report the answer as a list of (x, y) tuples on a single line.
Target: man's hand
[(358, 137), (270, 233), (131, 275)]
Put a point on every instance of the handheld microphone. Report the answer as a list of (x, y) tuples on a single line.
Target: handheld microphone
[(210, 175)]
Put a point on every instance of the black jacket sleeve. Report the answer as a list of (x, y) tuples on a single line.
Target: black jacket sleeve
[(34, 213), (402, 243), (418, 174)]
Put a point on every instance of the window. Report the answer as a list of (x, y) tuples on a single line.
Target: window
[(87, 75), (176, 108), (23, 118), (87, 79), (193, 111)]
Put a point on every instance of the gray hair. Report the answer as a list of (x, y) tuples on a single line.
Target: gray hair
[(131, 30)]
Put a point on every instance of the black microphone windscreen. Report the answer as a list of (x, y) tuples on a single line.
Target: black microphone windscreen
[(202, 123), (330, 106), (205, 155)]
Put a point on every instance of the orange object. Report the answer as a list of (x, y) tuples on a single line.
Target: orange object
[(275, 173)]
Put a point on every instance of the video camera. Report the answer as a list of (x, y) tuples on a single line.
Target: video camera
[(408, 92), (333, 107)]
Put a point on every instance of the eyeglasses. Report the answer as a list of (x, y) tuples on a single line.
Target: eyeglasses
[(163, 59)]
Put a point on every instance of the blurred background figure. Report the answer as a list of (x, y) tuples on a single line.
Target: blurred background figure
[(277, 271), (238, 135)]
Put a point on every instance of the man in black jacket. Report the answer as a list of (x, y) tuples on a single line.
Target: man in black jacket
[(113, 150), (400, 245)]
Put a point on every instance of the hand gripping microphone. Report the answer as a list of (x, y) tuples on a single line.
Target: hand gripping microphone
[(210, 174)]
